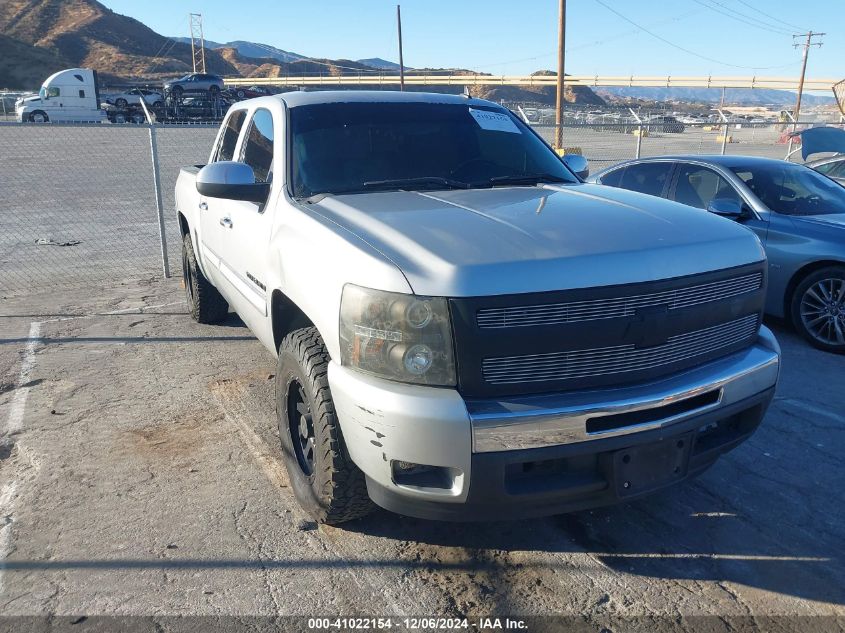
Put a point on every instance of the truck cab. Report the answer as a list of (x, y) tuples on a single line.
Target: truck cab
[(463, 328), (70, 95)]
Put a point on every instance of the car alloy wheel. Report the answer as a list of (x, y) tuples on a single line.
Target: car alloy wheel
[(301, 427), (822, 311)]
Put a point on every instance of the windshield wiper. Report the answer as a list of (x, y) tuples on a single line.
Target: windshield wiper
[(422, 181), (527, 179)]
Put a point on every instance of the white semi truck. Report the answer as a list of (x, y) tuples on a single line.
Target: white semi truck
[(71, 95)]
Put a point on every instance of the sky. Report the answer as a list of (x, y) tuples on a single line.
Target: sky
[(604, 37)]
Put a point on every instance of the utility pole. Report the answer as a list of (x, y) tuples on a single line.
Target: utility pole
[(401, 61), (561, 39), (807, 44), (197, 42)]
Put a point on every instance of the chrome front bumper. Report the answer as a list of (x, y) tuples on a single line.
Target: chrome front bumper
[(538, 421)]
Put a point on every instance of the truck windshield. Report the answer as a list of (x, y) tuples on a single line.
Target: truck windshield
[(360, 147), (792, 189)]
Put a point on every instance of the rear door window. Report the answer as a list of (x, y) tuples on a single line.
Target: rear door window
[(826, 168), (697, 186), (838, 170), (229, 138), (650, 178)]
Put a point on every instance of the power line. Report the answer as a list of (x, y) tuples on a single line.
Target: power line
[(570, 49), (686, 50), (771, 17), (743, 18)]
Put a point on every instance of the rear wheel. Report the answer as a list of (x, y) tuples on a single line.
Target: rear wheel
[(121, 103), (39, 116), (818, 308), (205, 302), (325, 481)]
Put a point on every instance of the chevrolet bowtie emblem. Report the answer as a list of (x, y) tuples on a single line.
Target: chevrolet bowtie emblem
[(648, 327)]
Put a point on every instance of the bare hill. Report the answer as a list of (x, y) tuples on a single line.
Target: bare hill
[(42, 36), (86, 33), (23, 65)]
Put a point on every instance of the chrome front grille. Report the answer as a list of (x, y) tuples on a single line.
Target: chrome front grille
[(590, 363), (577, 311)]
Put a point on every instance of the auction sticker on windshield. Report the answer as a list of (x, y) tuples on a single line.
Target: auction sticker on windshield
[(494, 121)]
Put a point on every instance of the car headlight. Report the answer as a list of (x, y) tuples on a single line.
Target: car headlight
[(397, 336)]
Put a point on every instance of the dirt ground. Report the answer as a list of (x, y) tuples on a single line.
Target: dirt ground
[(140, 476)]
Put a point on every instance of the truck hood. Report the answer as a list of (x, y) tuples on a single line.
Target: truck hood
[(532, 239)]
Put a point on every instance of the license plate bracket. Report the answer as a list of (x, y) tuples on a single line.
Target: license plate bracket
[(640, 469)]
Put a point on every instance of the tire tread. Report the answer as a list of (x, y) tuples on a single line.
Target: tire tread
[(209, 306), (339, 485)]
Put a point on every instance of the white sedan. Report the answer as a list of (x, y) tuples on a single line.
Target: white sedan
[(133, 96)]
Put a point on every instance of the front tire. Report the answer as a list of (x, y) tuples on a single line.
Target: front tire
[(121, 103), (818, 309), (39, 116), (205, 303), (325, 481)]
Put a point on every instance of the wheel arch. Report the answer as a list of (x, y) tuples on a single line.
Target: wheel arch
[(286, 316), (798, 276), (184, 227)]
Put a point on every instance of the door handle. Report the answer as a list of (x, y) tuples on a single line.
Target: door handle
[(203, 206), (227, 222)]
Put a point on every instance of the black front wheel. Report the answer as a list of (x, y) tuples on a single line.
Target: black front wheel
[(325, 481), (818, 308)]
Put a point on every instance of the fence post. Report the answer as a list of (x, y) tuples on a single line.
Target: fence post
[(725, 134), (639, 131), (159, 205), (791, 138)]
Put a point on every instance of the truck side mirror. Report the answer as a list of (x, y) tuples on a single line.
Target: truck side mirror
[(577, 164), (726, 207), (233, 181)]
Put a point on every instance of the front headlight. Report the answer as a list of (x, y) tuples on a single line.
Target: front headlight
[(397, 336)]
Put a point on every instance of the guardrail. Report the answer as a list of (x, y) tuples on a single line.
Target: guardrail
[(453, 79)]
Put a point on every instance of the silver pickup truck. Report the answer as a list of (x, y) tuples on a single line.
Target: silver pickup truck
[(464, 328)]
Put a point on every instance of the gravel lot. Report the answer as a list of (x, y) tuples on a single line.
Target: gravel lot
[(141, 477)]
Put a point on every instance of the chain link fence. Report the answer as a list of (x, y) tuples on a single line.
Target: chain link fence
[(80, 203), (605, 144)]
